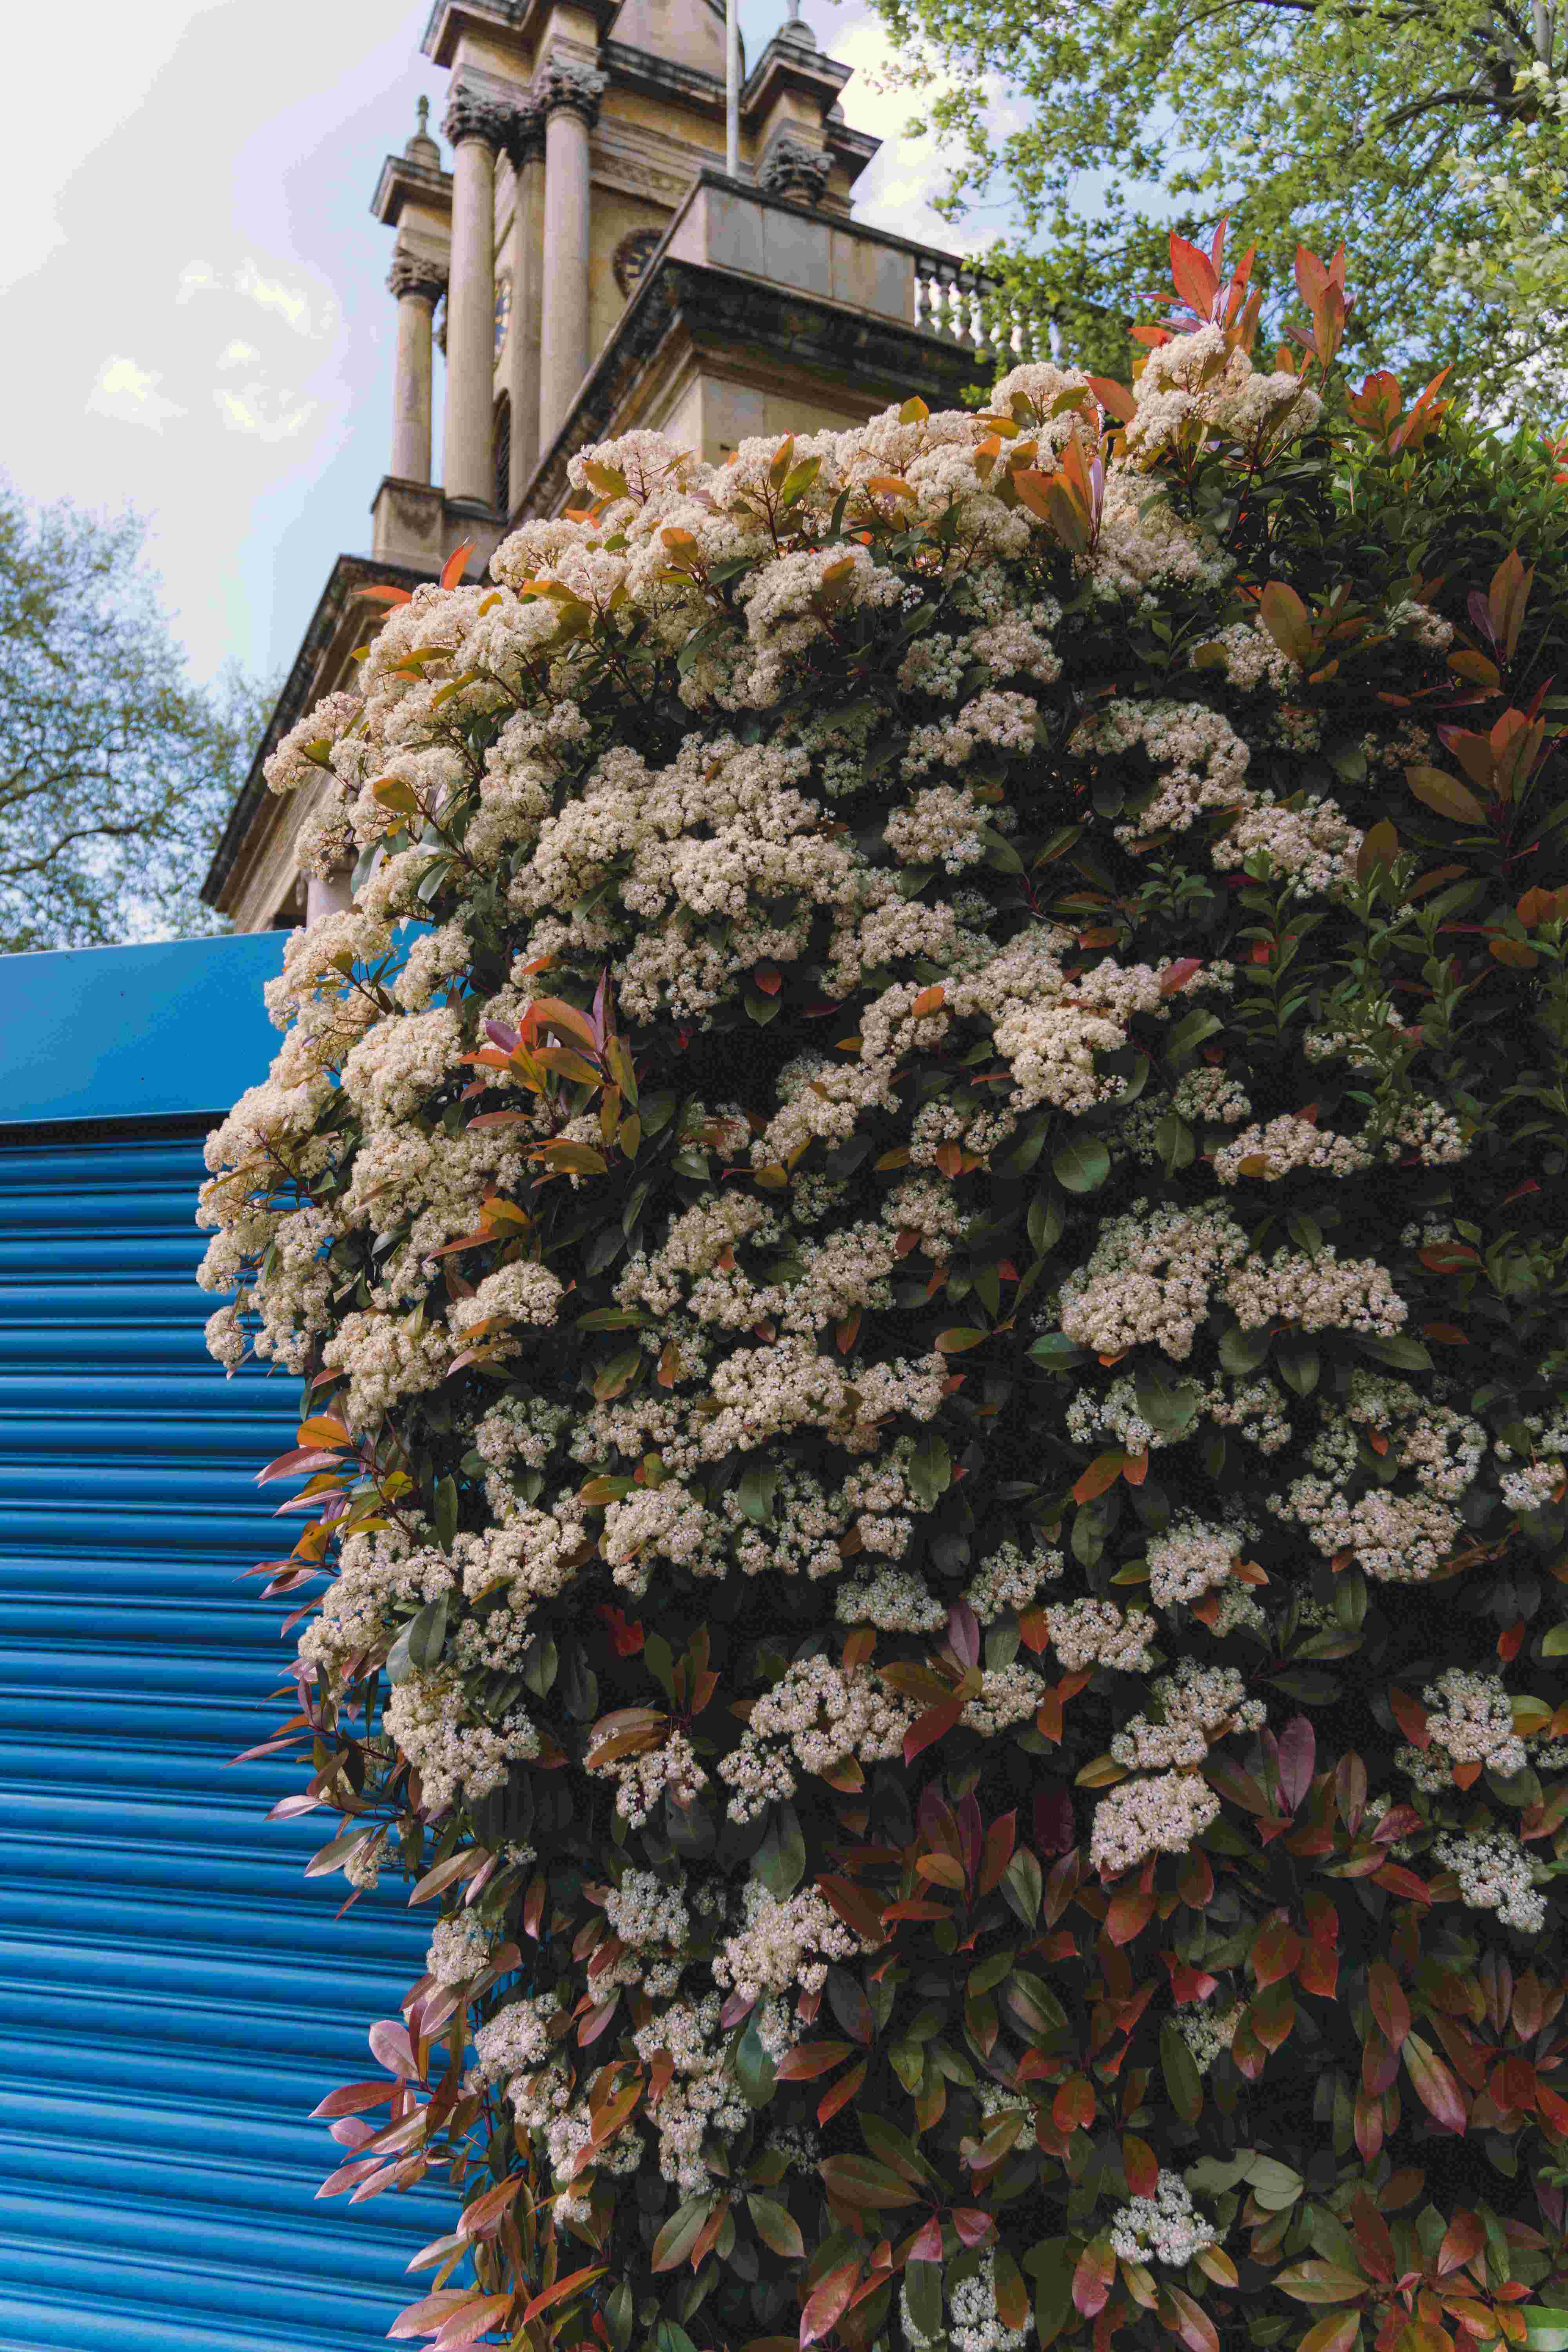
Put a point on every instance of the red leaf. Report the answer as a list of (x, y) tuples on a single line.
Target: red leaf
[(1101, 1474), (561, 2290), (1193, 276), (1192, 2324), (1389, 2005), (825, 2307), (1140, 2164), (352, 2100), (1298, 1752), (1092, 2279), (1276, 1952), (1410, 1715), (389, 2042), (1434, 2084), (935, 1724), (457, 563), (809, 2058), (1177, 974), (1462, 2240), (841, 2092), (973, 2226)]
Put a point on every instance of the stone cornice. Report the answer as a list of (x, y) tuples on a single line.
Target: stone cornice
[(350, 577), (404, 181), (722, 311), (447, 18)]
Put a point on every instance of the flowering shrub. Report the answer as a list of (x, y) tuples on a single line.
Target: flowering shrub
[(935, 1410)]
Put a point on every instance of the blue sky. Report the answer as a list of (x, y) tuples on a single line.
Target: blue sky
[(196, 321)]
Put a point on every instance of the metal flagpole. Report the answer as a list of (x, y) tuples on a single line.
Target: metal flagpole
[(733, 88)]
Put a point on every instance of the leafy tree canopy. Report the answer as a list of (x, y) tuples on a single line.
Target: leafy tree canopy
[(1429, 134), (115, 771)]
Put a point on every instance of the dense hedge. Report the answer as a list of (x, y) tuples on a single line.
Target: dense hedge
[(935, 1407)]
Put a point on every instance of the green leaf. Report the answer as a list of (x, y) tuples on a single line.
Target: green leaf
[(619, 2316), (922, 2284), (755, 2070), (931, 1470), (1050, 2264), (1174, 1143), (1169, 1410), (1190, 1032), (1404, 1355), (776, 2226), (755, 1494), (446, 1513), (1445, 794), (1045, 1222), (419, 1645), (1056, 1351), (1243, 1351), (1545, 2329), (1315, 2282), (680, 2235), (1080, 1163), (1180, 2070), (1023, 1883), (780, 1861)]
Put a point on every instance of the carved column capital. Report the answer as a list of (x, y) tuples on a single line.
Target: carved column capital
[(472, 115), (792, 168), (525, 133), (411, 274), (567, 85)]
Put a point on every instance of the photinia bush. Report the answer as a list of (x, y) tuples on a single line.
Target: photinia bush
[(929, 1296)]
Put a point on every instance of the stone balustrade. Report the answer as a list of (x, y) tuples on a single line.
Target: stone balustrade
[(966, 306)]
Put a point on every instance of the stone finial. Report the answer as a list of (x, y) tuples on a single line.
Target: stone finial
[(525, 132), (472, 115), (422, 149), (566, 83), (791, 168), (800, 36), (412, 273)]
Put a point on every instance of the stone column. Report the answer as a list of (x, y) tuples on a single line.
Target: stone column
[(526, 147), (328, 894), (570, 96), (417, 285), (476, 126)]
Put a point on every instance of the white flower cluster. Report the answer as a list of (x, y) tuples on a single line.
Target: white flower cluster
[(1164, 2228), (1163, 1814), (1470, 1722), (1194, 1707), (1494, 1874)]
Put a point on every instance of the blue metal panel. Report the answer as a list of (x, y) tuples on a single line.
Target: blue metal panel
[(174, 1996), (135, 1033)]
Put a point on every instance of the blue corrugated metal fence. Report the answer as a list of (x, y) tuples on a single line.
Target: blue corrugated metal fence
[(174, 1997)]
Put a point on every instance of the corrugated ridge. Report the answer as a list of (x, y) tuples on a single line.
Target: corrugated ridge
[(174, 1996)]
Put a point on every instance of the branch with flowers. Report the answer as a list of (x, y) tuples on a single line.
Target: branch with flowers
[(929, 1302)]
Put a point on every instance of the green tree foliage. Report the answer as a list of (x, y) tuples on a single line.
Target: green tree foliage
[(1430, 137), (116, 773), (930, 1310)]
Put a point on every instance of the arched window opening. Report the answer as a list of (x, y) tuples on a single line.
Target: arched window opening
[(503, 452)]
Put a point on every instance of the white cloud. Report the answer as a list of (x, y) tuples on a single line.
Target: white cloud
[(129, 394), (236, 353), (292, 303), (196, 278), (256, 408)]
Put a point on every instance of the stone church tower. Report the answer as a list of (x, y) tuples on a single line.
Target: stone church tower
[(588, 265)]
